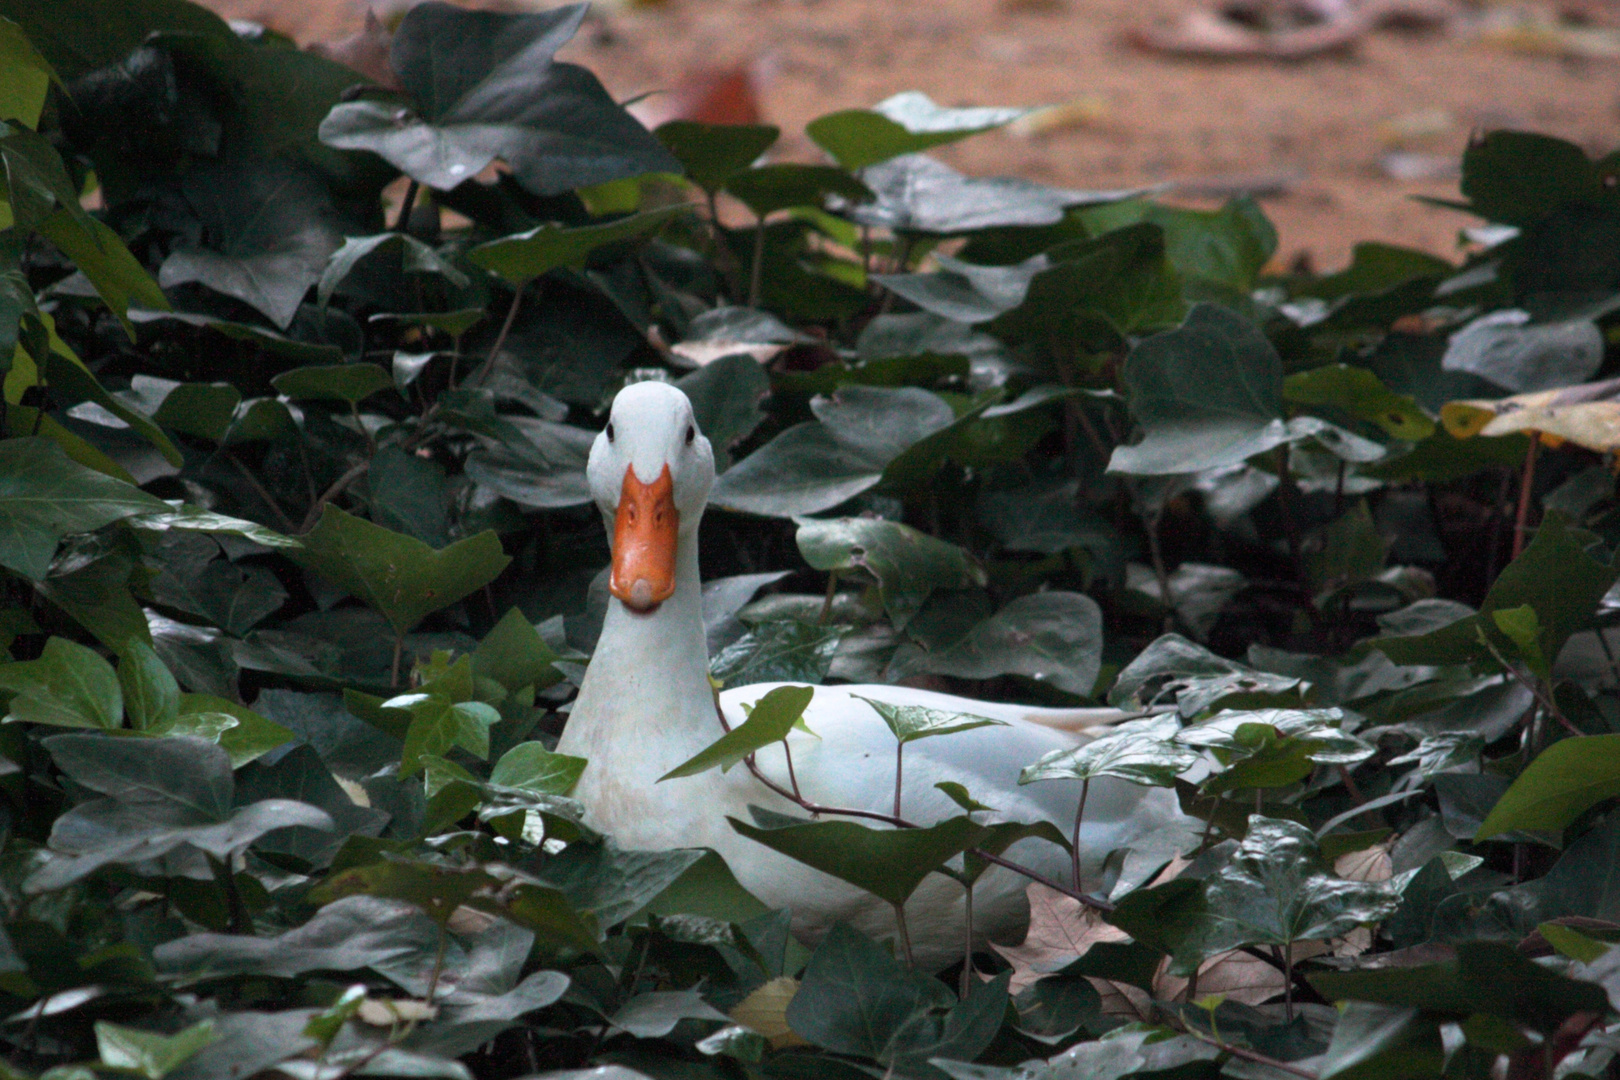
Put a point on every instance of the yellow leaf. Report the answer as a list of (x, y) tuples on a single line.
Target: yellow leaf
[(765, 1011), (1587, 415)]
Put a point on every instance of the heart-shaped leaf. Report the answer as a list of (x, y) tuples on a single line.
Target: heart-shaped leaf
[(1141, 751), (398, 575), (770, 720), (45, 495), (484, 86), (903, 124)]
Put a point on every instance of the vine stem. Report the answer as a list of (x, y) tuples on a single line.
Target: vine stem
[(338, 487), (899, 771), (1527, 483), (500, 338), (1079, 812), (832, 594), (1245, 1054), (403, 221), (1544, 699), (261, 492), (816, 810), (1096, 903), (905, 933), (756, 267), (965, 984)]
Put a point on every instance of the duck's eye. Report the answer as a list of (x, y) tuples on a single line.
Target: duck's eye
[(691, 433), (610, 431)]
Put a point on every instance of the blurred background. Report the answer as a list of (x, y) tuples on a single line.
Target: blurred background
[(1335, 114)]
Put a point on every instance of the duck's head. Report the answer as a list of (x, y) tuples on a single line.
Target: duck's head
[(650, 472)]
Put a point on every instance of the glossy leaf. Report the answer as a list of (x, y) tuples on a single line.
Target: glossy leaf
[(912, 722), (1141, 751), (484, 86)]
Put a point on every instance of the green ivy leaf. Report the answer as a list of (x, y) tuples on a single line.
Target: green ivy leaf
[(1563, 782), (522, 257), (45, 495), (148, 1053), (531, 767), (410, 255), (515, 655), (888, 863), (1363, 395), (68, 686), (912, 722), (903, 124), (398, 575), (1141, 751), (151, 693), (908, 565), (351, 383), (484, 86), (1277, 890), (711, 154), (772, 717)]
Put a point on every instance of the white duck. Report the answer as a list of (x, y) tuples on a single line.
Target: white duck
[(646, 706)]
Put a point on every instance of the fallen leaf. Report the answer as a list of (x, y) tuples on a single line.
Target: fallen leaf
[(387, 1012), (365, 51), (1061, 929), (1587, 415), (765, 1011)]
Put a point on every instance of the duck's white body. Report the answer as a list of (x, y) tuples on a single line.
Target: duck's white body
[(646, 707)]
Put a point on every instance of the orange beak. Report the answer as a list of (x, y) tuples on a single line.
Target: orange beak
[(644, 533)]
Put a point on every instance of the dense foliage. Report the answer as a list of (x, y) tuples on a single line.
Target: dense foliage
[(300, 573)]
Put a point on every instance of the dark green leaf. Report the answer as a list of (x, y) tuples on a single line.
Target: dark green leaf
[(888, 863), (1053, 637), (1278, 890), (351, 383), (485, 86), (711, 154), (68, 686), (271, 232), (781, 650), (398, 575), (908, 565), (44, 496), (515, 655), (150, 693), (903, 124), (522, 257), (410, 255), (784, 185)]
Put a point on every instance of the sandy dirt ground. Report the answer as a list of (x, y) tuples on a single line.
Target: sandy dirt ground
[(1312, 135)]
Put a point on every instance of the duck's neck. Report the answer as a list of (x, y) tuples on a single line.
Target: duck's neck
[(645, 704)]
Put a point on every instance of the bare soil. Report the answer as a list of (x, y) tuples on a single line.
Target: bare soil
[(1317, 129)]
